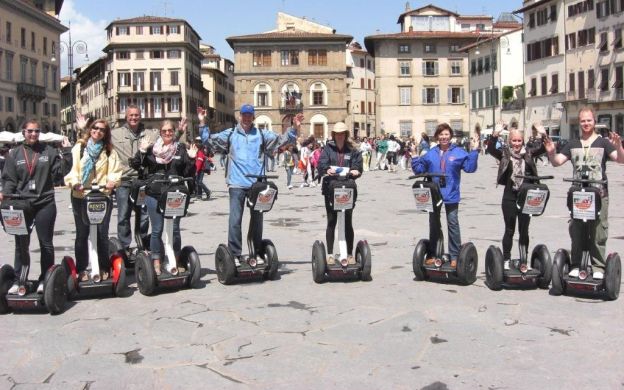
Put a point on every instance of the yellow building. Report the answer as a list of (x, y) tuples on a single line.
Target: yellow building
[(217, 74)]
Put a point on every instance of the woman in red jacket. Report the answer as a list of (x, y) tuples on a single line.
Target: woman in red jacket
[(200, 163)]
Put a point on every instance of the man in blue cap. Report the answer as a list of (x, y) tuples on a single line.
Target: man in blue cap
[(247, 148)]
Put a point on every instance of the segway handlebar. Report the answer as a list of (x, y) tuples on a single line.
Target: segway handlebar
[(426, 175), (584, 181), (174, 179), (20, 196), (534, 178), (262, 176)]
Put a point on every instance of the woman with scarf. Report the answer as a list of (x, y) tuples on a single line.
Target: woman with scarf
[(515, 160), (167, 157), (94, 160)]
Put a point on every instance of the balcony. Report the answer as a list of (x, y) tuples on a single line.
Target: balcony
[(144, 89), (513, 105), (30, 92)]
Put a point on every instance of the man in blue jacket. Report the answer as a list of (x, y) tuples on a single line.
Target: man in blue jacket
[(247, 148), (449, 159)]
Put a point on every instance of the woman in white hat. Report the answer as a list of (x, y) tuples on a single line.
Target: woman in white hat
[(339, 152)]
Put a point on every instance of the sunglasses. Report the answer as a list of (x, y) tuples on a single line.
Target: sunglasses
[(101, 129), (35, 131), (167, 131)]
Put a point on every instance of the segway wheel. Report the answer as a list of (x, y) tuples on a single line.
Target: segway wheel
[(224, 263), (467, 263), (418, 260), (363, 257), (319, 262), (55, 289), (613, 276), (145, 275), (190, 258), (540, 259), (72, 276), (7, 276), (115, 246), (494, 268), (270, 253), (562, 257), (119, 274)]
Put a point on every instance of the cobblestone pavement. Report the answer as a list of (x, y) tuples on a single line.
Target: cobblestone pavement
[(392, 332)]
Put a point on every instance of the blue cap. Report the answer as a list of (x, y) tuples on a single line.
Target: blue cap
[(247, 109)]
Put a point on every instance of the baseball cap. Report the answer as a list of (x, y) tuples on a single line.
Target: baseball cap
[(247, 109)]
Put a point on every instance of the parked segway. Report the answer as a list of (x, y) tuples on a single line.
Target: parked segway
[(177, 272), (17, 220), (343, 192), (429, 199), (585, 203), (532, 200), (95, 207), (261, 261)]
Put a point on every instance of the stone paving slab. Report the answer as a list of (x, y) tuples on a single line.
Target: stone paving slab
[(392, 332)]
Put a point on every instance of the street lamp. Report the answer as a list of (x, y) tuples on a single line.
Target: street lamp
[(80, 47)]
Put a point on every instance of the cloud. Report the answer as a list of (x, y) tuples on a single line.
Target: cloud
[(82, 28)]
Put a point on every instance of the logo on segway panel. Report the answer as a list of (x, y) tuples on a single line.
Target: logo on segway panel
[(584, 205), (343, 198), (175, 205), (422, 196), (14, 222), (96, 211), (535, 202), (265, 199)]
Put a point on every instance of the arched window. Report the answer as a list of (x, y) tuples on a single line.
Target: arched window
[(318, 94), (318, 126), (263, 122), (263, 95), (290, 96)]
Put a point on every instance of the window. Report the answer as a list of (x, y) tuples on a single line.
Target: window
[(590, 79), (405, 96), (465, 27), (456, 95), (23, 65), (23, 38), (542, 17), (404, 67), (174, 77), (317, 98), (404, 48), (486, 64), (570, 42), (45, 69), (532, 20), (581, 84), (430, 48), (46, 108), (123, 30), (369, 65), (139, 30), (580, 7), (541, 49), (480, 96), (55, 78), (157, 54), (553, 13), (494, 61), (123, 105), (174, 105), (318, 92), (262, 58), (156, 30), (362, 107), (8, 74), (480, 27), (370, 86), (405, 128), (602, 9), (174, 54), (123, 55), (9, 104), (123, 79), (361, 83), (263, 99), (604, 79), (603, 45), (155, 81), (32, 40), (571, 82), (317, 57), (454, 48), (474, 100), (430, 68), (138, 81), (45, 46), (533, 90), (362, 62), (617, 38), (289, 57), (430, 95), (33, 72), (456, 68), (430, 127), (8, 33), (554, 83), (1, 102), (473, 67), (544, 82), (175, 29), (139, 54), (457, 125)]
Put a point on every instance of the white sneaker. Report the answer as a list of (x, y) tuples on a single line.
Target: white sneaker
[(14, 288), (313, 185), (237, 261), (574, 273), (506, 264), (40, 288), (290, 187), (598, 275)]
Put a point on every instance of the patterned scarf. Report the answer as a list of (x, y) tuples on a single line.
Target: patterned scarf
[(93, 151), (517, 161), (164, 153)]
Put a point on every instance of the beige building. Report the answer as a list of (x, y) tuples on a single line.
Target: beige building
[(421, 74), (361, 91), (155, 63), (217, 75), (29, 76), (299, 67)]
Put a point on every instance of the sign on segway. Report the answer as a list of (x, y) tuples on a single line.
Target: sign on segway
[(343, 198), (96, 211), (535, 202), (176, 204), (265, 199), (423, 199), (141, 196), (584, 205), (14, 222)]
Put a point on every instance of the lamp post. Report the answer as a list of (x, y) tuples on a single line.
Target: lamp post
[(80, 47)]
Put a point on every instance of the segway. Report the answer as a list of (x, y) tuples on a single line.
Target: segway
[(429, 199), (343, 193), (182, 271), (261, 261), (95, 207), (532, 200), (17, 220), (585, 203)]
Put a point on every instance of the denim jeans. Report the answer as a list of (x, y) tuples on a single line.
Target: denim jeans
[(237, 204), (124, 212), (597, 240), (454, 234), (289, 173), (200, 186), (81, 247), (158, 223)]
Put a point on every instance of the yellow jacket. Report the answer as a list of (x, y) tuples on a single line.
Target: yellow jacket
[(107, 168)]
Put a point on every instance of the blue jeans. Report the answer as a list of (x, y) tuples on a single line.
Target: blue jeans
[(289, 172), (81, 247), (124, 212), (454, 234), (237, 204), (199, 184), (158, 223)]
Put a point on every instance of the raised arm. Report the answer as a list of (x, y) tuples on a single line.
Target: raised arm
[(618, 154), (556, 159)]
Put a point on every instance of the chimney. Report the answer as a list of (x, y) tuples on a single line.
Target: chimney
[(407, 6)]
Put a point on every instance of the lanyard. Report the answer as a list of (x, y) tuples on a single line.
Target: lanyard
[(32, 164), (443, 161), (340, 158)]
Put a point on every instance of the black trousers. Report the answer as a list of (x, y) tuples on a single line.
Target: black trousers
[(332, 219), (81, 244), (45, 216), (510, 215)]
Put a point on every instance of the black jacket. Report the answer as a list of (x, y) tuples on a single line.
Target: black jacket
[(180, 165), (330, 156), (16, 178)]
